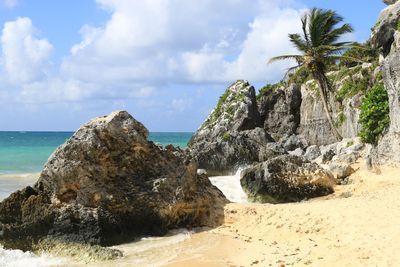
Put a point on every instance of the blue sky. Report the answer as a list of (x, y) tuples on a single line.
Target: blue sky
[(165, 61)]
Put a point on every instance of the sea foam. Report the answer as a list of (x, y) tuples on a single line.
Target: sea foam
[(18, 258), (230, 186)]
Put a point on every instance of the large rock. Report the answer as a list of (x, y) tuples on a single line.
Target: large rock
[(383, 32), (286, 178), (225, 155), (107, 184), (235, 111), (280, 111), (314, 126), (387, 37), (232, 136)]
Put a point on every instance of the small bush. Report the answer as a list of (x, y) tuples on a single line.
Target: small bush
[(352, 87), (269, 87), (374, 117), (300, 77), (226, 136)]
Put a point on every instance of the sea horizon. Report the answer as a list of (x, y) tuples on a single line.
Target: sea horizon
[(25, 152)]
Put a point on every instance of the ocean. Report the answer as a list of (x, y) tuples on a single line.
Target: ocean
[(23, 154)]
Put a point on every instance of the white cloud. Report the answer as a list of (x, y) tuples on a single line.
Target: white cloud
[(149, 44), (10, 3), (26, 57), (159, 41)]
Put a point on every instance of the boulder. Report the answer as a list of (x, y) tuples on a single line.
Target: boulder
[(297, 152), (293, 142), (223, 156), (286, 178), (327, 155), (232, 135), (340, 170), (270, 150), (106, 185), (312, 152)]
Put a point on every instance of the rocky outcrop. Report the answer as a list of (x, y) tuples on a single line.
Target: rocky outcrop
[(107, 184), (279, 111), (383, 32), (224, 155), (387, 37), (389, 2), (286, 178), (235, 111), (231, 136), (314, 126)]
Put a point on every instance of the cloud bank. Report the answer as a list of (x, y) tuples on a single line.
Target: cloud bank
[(149, 45)]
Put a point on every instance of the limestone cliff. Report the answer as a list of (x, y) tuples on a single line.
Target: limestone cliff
[(232, 135), (386, 36)]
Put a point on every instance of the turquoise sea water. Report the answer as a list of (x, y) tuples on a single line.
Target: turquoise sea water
[(23, 154), (26, 152)]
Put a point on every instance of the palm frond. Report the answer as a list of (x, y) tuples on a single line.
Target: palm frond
[(298, 42), (298, 58), (345, 58)]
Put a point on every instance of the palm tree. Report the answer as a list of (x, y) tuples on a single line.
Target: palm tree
[(320, 47)]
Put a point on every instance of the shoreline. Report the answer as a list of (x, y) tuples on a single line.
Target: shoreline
[(355, 226)]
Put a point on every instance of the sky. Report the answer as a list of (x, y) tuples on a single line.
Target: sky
[(165, 61)]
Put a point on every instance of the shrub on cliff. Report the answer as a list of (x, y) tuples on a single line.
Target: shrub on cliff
[(374, 117)]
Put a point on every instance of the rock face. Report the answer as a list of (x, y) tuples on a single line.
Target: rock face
[(314, 126), (383, 33), (286, 178), (389, 2), (107, 184), (279, 111), (235, 111), (232, 135), (386, 36)]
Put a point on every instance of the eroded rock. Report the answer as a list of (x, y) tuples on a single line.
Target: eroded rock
[(106, 185), (286, 178), (231, 136)]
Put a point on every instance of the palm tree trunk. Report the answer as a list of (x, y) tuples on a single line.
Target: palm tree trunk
[(323, 88)]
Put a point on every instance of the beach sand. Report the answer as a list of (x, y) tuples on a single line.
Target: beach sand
[(358, 225)]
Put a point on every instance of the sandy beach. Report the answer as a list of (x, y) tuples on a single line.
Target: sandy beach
[(356, 226)]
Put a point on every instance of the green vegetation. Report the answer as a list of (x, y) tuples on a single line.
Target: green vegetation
[(320, 48), (223, 108), (374, 117), (351, 87), (341, 119), (226, 136), (269, 87), (379, 76), (221, 101), (300, 77)]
